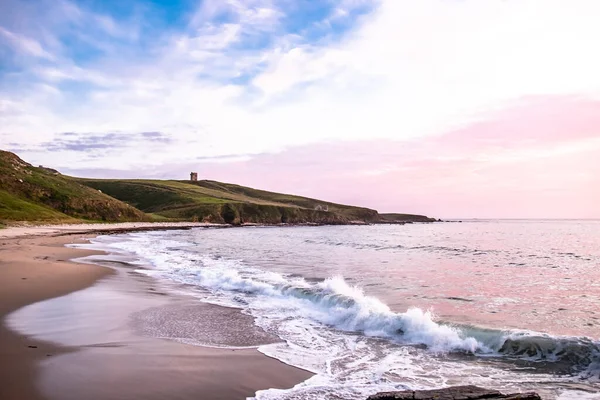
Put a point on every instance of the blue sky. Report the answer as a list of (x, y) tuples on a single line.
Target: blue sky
[(157, 88), (78, 65), (46, 34)]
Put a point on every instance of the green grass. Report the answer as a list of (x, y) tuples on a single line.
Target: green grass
[(212, 201), (395, 217), (13, 208), (158, 218), (39, 194), (265, 197)]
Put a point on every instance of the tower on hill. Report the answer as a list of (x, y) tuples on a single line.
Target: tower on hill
[(194, 176)]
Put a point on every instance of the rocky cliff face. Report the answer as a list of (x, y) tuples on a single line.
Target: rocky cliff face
[(248, 213)]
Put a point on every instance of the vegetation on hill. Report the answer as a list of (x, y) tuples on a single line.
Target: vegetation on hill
[(399, 218), (212, 201), (29, 193)]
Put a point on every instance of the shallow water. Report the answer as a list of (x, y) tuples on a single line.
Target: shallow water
[(505, 304), (115, 325)]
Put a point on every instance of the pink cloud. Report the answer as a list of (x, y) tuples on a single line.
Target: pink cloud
[(537, 159)]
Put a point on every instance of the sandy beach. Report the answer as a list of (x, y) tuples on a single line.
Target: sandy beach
[(35, 266)]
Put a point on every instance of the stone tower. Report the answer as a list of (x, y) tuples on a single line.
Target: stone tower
[(194, 176)]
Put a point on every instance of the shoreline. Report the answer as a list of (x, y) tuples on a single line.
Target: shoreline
[(35, 266), (29, 274), (30, 231), (13, 231)]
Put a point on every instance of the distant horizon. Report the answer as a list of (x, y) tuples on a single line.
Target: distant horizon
[(444, 219), (520, 219), (433, 107)]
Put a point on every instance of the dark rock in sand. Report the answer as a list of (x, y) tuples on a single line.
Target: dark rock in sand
[(453, 393)]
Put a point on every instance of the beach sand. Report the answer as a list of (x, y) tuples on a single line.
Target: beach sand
[(113, 360)]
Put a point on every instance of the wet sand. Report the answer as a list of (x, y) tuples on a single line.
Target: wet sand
[(90, 348), (25, 230)]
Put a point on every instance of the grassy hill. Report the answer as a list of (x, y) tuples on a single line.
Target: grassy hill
[(212, 201), (403, 218), (29, 193)]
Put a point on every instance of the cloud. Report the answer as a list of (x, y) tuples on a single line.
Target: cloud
[(157, 137), (525, 161), (24, 44), (229, 79), (91, 142), (503, 167)]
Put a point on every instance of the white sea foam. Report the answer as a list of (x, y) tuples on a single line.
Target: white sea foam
[(331, 302), (349, 339)]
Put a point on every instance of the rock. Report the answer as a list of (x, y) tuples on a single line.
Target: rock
[(453, 393)]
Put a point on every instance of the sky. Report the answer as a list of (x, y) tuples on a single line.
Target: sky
[(450, 108)]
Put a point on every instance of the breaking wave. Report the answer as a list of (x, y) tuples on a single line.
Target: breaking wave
[(271, 296), (335, 303)]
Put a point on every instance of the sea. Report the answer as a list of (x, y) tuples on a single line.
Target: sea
[(512, 305)]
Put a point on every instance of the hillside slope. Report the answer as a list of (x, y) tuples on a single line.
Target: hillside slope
[(221, 202), (393, 218), (29, 193)]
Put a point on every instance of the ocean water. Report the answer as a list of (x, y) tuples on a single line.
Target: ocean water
[(512, 305)]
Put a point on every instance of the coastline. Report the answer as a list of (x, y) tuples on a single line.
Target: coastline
[(28, 231), (35, 266), (33, 270), (34, 230)]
